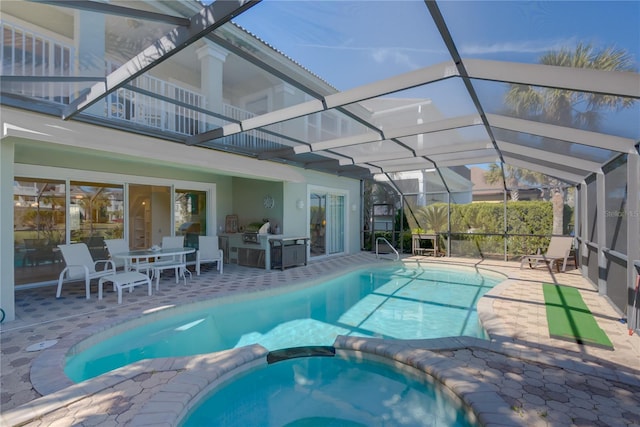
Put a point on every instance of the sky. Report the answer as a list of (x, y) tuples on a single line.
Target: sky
[(384, 38), (351, 43)]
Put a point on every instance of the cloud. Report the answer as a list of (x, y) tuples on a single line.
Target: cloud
[(397, 55), (384, 55), (527, 46)]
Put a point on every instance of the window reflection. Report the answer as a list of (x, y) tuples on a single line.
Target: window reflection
[(190, 217), (39, 226), (326, 227), (149, 215), (96, 213)]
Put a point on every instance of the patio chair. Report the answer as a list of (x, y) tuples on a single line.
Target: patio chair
[(175, 262), (559, 250), (208, 252), (80, 265), (117, 246)]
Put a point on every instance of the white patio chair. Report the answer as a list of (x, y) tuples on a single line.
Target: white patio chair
[(176, 262), (558, 250), (208, 252), (80, 265), (116, 246)]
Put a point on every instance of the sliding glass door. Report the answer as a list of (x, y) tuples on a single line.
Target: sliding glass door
[(149, 215), (327, 223), (190, 217), (58, 210)]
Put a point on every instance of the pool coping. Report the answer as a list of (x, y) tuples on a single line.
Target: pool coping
[(480, 400)]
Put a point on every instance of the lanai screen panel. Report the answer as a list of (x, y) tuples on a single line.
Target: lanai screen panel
[(520, 31), (431, 102), (306, 51), (349, 43), (457, 140), (578, 33), (373, 152), (554, 146), (558, 109), (321, 126), (608, 114), (616, 208)]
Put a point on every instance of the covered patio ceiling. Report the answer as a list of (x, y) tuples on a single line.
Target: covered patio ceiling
[(415, 85)]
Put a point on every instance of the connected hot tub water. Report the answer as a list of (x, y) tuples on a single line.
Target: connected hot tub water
[(314, 387)]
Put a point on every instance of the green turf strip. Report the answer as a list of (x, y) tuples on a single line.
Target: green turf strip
[(570, 319)]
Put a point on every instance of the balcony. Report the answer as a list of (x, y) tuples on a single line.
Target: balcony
[(148, 101)]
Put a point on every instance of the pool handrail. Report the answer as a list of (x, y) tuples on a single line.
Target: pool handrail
[(388, 244)]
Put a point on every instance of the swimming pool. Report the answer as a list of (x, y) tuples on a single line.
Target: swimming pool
[(394, 302), (330, 389)]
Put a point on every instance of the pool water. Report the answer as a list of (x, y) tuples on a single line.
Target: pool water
[(385, 302), (328, 391)]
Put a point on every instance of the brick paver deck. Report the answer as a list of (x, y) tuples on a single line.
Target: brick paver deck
[(519, 377)]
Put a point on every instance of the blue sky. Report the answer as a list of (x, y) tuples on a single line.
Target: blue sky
[(351, 42)]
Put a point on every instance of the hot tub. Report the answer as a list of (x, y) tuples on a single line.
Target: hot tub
[(319, 386)]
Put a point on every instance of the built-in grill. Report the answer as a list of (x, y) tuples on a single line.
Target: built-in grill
[(252, 234)]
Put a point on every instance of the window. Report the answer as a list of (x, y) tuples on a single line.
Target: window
[(39, 227)]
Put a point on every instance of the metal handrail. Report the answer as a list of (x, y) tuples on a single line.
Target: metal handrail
[(388, 244)]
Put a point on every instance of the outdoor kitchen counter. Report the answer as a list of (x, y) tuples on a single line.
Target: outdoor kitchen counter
[(255, 250)]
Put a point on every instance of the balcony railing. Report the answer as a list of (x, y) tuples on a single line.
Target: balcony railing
[(27, 53), (133, 105), (253, 140)]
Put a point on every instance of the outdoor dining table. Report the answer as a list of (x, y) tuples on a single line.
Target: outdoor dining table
[(134, 257)]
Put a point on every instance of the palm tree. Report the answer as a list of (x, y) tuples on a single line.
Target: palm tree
[(563, 107), (566, 107), (433, 218), (92, 205), (514, 176)]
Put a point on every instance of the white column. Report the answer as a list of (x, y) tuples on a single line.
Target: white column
[(633, 227), (212, 60), (7, 285), (601, 225), (90, 49), (582, 224)]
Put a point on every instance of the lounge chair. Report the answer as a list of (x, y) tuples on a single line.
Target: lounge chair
[(80, 265), (208, 252), (559, 250)]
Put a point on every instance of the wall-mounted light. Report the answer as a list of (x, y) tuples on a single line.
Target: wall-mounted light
[(300, 204)]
